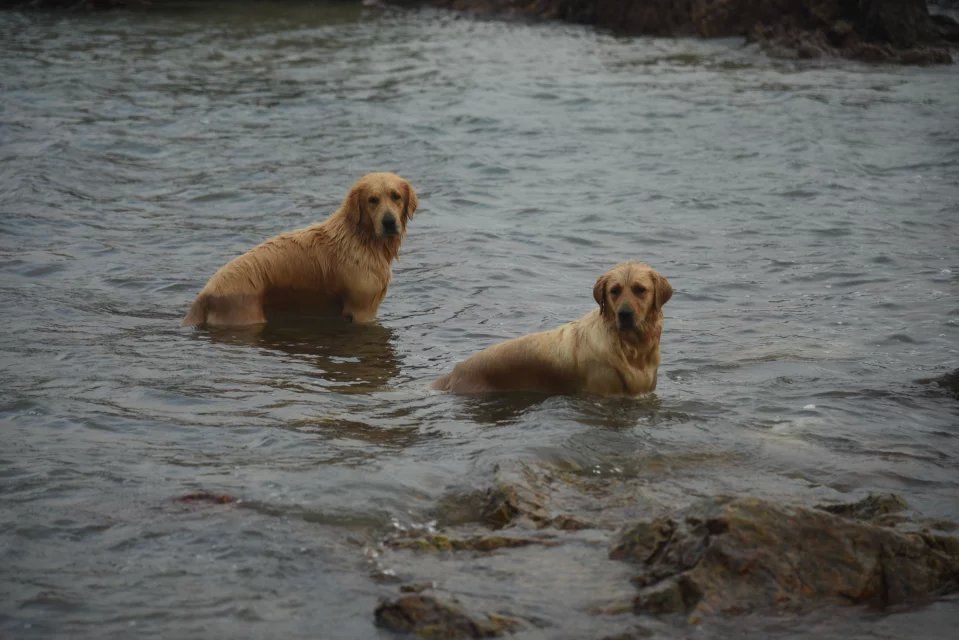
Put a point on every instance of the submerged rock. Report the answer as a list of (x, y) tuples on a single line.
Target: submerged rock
[(878, 508), (428, 617), (206, 496), (439, 542), (726, 555), (949, 382), (511, 504), (521, 497), (505, 503)]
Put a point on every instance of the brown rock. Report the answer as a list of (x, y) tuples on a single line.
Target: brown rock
[(570, 523), (508, 502), (737, 555), (206, 496), (878, 508), (428, 617), (439, 542)]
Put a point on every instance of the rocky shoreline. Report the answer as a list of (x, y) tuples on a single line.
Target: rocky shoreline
[(713, 558), (891, 31), (898, 31)]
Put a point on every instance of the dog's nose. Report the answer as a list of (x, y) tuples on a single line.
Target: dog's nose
[(626, 316), (389, 225)]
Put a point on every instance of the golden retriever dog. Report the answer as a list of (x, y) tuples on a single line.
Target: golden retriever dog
[(611, 351), (341, 264)]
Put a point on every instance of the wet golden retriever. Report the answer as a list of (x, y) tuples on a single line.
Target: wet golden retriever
[(611, 351), (340, 264)]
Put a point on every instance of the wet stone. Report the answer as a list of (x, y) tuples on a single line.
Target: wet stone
[(878, 508), (440, 542), (506, 503), (428, 617), (948, 382), (570, 523), (206, 496), (417, 587), (523, 503), (726, 555)]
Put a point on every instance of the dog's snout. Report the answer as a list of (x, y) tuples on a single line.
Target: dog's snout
[(389, 224), (625, 315)]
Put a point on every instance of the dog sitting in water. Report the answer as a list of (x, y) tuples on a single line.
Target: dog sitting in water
[(342, 263), (611, 351)]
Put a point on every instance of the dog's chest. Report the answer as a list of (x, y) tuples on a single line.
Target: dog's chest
[(365, 280), (617, 376)]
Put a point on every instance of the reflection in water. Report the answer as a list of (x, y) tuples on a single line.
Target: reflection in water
[(354, 358), (619, 413), (499, 409), (502, 409)]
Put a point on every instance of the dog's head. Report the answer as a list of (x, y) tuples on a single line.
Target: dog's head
[(631, 296), (380, 206)]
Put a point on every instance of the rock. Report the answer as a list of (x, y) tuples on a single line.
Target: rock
[(635, 634), (508, 504), (644, 540), (206, 496), (727, 555), (521, 499), (505, 502), (878, 508), (901, 23), (949, 382), (515, 497), (428, 617), (79, 4), (924, 56), (614, 608), (566, 522), (544, 496), (477, 543), (887, 30), (947, 27)]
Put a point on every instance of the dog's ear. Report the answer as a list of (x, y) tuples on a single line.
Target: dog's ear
[(410, 200), (353, 205), (599, 293), (663, 290)]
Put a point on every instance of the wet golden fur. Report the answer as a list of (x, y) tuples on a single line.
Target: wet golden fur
[(342, 263), (596, 354)]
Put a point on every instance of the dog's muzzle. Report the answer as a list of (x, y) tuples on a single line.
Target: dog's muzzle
[(389, 225), (626, 318)]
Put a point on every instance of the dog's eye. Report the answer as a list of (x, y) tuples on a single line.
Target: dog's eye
[(395, 196), (638, 289), (374, 200), (616, 290)]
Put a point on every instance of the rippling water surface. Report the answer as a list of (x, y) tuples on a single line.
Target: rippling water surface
[(806, 216)]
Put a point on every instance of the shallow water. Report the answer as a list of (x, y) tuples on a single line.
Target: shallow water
[(805, 214)]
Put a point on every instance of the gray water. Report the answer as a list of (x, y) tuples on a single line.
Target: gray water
[(805, 214)]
